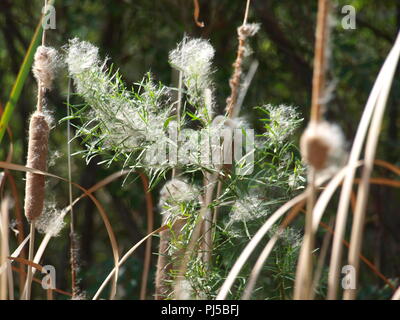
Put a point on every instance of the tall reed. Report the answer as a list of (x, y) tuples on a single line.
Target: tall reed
[(315, 150), (45, 62)]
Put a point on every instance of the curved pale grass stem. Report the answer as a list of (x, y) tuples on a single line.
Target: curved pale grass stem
[(210, 182), (259, 264), (318, 212), (150, 225), (387, 165), (304, 268), (240, 262), (6, 279), (396, 295), (39, 281), (16, 253), (26, 295), (14, 192), (370, 151), (343, 207), (368, 263), (114, 245), (321, 260), (123, 260)]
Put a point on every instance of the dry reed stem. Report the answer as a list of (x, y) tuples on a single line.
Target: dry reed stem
[(304, 269), (6, 287), (321, 260), (161, 290), (255, 272), (150, 226), (196, 14), (110, 232), (163, 267), (37, 158), (245, 254), (19, 219), (26, 295), (73, 251), (231, 110), (49, 294), (342, 212), (319, 209), (396, 295), (245, 86), (363, 189), (17, 204), (210, 180), (321, 44), (162, 270), (314, 150), (124, 259), (368, 263), (39, 281), (234, 81)]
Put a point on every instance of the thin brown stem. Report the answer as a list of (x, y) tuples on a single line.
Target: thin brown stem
[(29, 276), (321, 43), (150, 226), (234, 82)]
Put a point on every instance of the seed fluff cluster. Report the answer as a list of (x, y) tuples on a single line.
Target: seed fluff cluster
[(119, 120), (193, 58)]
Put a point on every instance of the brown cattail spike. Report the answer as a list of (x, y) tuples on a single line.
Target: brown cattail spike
[(322, 144), (37, 158)]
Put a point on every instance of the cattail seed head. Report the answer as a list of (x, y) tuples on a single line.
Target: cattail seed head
[(44, 66), (321, 144), (37, 157), (248, 30)]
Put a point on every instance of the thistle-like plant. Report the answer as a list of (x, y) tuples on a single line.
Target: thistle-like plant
[(129, 125)]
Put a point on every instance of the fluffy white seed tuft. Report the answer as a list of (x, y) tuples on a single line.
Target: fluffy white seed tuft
[(193, 58), (174, 193), (81, 56), (45, 65), (248, 30), (283, 121), (51, 221), (248, 208)]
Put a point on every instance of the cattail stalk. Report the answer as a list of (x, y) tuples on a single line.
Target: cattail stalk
[(73, 236), (163, 267), (39, 128), (314, 150), (234, 82), (320, 61), (150, 226), (244, 31), (6, 280), (161, 289)]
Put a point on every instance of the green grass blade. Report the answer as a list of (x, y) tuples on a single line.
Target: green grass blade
[(19, 82)]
